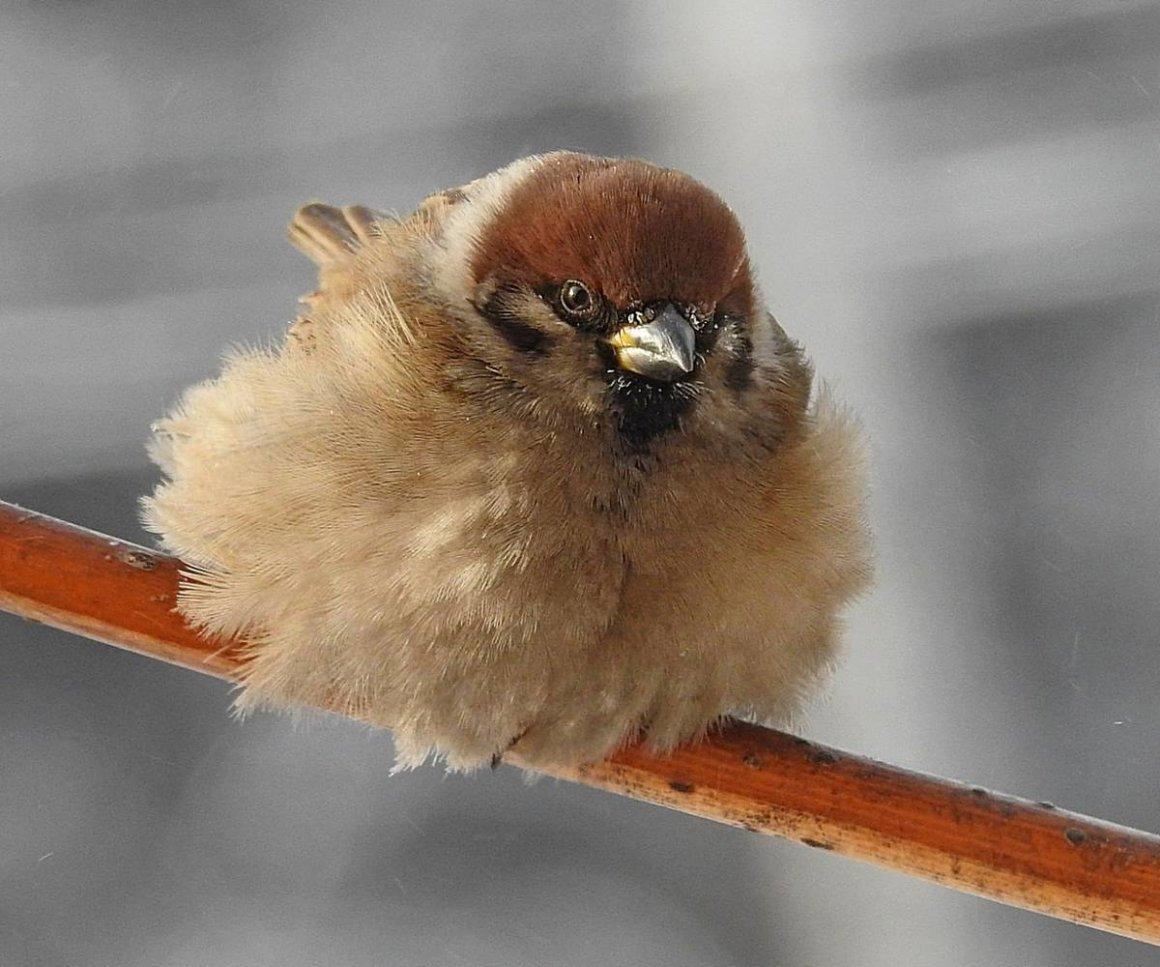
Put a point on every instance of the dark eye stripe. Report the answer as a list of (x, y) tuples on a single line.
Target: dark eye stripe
[(517, 331)]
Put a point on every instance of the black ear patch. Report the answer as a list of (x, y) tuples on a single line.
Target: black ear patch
[(502, 309)]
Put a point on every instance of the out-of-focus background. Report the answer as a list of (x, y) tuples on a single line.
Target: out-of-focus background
[(955, 205)]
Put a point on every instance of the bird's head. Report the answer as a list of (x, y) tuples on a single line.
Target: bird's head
[(610, 290)]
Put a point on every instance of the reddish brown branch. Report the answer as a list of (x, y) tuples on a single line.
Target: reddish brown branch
[(1022, 853)]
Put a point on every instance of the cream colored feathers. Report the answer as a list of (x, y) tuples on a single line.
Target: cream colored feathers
[(446, 506)]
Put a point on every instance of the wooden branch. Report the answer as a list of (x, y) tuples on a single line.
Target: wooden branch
[(1031, 855)]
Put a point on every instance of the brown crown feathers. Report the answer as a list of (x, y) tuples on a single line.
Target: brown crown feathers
[(536, 470)]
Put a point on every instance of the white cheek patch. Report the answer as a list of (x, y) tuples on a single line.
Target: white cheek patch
[(763, 336), (453, 250)]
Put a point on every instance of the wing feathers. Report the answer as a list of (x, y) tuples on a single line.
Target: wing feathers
[(330, 235)]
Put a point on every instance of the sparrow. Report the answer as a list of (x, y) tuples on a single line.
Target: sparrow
[(535, 469)]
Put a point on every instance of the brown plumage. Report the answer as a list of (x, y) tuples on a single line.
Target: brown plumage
[(536, 469)]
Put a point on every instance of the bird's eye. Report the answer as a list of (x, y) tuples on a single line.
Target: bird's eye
[(576, 300)]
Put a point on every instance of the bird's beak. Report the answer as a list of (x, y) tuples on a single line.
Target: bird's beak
[(663, 349)]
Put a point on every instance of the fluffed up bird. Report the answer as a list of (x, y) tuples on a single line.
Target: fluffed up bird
[(534, 470)]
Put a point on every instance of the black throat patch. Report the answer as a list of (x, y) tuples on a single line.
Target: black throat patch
[(644, 411)]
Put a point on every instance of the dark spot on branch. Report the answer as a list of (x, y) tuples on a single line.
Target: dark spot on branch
[(817, 844), (1075, 836), (678, 786), (138, 559)]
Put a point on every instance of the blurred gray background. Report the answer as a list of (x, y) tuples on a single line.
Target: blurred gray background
[(955, 205)]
